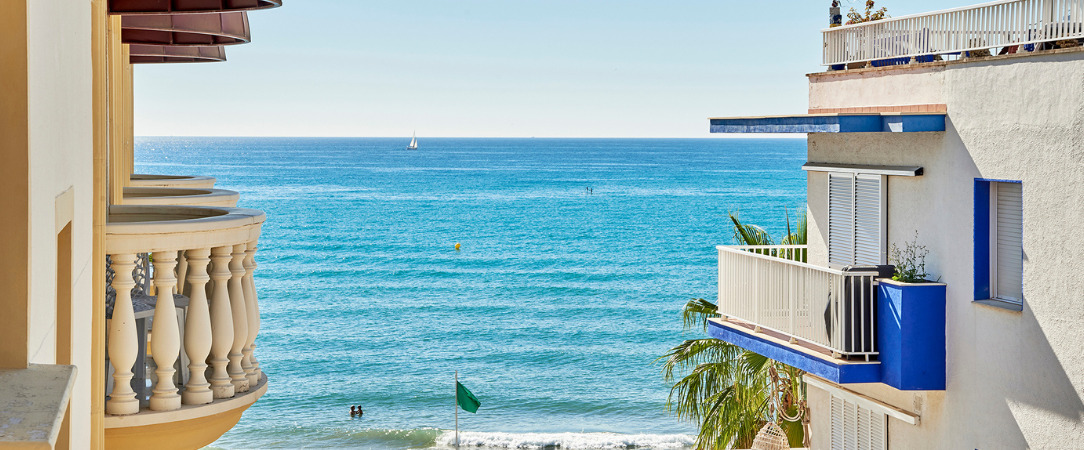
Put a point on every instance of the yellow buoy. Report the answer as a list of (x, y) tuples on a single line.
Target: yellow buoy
[(457, 246)]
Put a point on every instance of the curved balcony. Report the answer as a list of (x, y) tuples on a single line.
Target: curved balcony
[(178, 181), (180, 196), (182, 368)]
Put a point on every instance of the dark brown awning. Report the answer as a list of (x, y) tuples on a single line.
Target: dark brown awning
[(152, 54), (187, 6), (226, 28)]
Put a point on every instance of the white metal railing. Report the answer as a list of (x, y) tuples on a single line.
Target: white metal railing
[(998, 24), (771, 288)]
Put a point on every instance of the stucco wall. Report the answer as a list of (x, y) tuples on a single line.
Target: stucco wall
[(61, 158), (1015, 379)]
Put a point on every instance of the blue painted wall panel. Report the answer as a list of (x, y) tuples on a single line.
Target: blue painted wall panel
[(911, 336), (982, 239), (836, 373), (851, 123)]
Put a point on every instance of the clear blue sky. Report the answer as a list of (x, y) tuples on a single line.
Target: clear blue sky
[(499, 68)]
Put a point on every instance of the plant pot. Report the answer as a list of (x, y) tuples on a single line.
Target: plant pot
[(911, 334)]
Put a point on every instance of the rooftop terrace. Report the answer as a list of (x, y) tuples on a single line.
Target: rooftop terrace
[(1003, 27)]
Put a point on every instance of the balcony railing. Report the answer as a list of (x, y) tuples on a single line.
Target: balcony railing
[(191, 301), (1011, 23), (771, 289)]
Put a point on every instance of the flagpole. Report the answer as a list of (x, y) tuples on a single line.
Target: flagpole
[(457, 409)]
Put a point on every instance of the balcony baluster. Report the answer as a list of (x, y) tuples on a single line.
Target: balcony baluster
[(165, 336), (123, 339), (197, 329), (221, 323), (239, 311), (252, 369)]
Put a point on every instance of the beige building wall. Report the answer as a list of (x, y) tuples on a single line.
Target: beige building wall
[(61, 192), (1015, 379)]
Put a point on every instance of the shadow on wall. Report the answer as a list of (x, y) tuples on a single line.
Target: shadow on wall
[(1044, 384), (1011, 352)]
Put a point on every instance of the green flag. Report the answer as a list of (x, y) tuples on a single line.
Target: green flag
[(465, 399)]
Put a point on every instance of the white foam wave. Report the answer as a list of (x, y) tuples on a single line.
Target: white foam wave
[(492, 440)]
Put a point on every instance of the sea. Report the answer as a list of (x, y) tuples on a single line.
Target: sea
[(549, 274)]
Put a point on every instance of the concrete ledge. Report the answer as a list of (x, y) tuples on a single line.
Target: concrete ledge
[(244, 399), (192, 426), (33, 402), (835, 370)]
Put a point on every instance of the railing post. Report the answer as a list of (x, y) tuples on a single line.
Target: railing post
[(252, 368), (165, 334), (123, 339), (197, 329), (221, 323), (756, 291), (182, 272), (238, 309)]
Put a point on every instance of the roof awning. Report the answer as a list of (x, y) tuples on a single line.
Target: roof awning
[(894, 122), (158, 54), (899, 171), (187, 6), (226, 28)]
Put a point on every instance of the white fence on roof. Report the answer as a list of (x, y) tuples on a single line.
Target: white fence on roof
[(1011, 23)]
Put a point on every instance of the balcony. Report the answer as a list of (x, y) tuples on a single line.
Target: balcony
[(838, 324), (177, 181), (1003, 27), (182, 365), (180, 196)]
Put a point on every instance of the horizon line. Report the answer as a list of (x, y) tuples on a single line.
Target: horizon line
[(745, 136)]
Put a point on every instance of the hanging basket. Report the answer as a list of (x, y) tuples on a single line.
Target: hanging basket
[(770, 437)]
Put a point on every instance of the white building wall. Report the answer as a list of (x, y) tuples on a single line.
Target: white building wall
[(1015, 379), (61, 158)]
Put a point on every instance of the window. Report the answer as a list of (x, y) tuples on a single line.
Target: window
[(857, 428), (856, 219), (999, 244), (1006, 242)]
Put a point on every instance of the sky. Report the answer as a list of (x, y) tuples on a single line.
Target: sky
[(498, 68)]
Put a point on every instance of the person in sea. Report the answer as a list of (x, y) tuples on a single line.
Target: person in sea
[(356, 412)]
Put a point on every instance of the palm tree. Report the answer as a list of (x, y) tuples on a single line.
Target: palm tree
[(730, 392)]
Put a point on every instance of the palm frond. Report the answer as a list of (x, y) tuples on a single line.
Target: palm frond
[(695, 352), (749, 234), (696, 313), (798, 235)]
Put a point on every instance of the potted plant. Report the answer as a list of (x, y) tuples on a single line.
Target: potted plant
[(911, 322)]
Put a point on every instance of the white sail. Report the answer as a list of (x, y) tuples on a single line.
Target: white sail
[(413, 142)]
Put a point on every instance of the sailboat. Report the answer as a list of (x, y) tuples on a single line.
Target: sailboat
[(413, 142)]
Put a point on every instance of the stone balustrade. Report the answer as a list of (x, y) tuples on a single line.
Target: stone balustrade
[(200, 306)]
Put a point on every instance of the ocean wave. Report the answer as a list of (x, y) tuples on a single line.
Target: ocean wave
[(564, 441)]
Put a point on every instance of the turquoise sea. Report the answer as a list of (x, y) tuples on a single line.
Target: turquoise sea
[(576, 256)]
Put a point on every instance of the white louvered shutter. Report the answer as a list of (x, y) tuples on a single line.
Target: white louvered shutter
[(1008, 241), (840, 219), (837, 422), (868, 238), (855, 219), (857, 428)]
